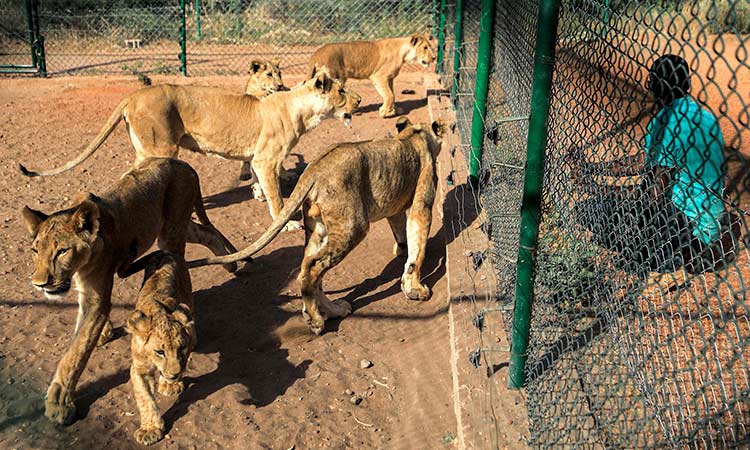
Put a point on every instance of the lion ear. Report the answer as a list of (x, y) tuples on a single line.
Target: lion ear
[(415, 39), (138, 323), (323, 83), (86, 217), (255, 66), (33, 219), (402, 123)]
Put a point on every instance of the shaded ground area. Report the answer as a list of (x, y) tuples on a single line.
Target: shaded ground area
[(258, 379)]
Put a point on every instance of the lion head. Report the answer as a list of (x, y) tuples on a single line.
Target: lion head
[(421, 50), (265, 78), (165, 339), (341, 102), (432, 133), (62, 244)]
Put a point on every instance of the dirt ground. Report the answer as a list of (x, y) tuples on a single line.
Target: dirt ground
[(258, 379)]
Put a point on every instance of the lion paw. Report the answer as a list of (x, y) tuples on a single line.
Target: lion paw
[(59, 406), (293, 225), (416, 291), (170, 388), (387, 113), (316, 325), (106, 335), (258, 192), (148, 436)]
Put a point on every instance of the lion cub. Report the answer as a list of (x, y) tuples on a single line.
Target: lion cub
[(379, 61), (163, 336)]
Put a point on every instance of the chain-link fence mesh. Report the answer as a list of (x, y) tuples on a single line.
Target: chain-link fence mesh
[(221, 37), (640, 335)]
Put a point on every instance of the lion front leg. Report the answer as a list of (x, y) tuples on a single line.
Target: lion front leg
[(384, 87), (268, 176), (59, 402), (152, 425)]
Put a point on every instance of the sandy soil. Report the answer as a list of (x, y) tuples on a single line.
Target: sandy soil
[(259, 379)]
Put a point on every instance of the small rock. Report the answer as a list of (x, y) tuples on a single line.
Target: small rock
[(355, 400), (365, 364), (11, 380), (349, 392)]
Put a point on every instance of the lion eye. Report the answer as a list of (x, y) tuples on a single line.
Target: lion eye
[(62, 252), (159, 353)]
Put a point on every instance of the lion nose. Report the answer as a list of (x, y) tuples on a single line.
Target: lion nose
[(46, 281)]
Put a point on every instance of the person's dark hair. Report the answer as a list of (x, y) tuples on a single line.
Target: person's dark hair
[(669, 78)]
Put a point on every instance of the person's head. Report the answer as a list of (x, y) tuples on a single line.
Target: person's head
[(669, 78)]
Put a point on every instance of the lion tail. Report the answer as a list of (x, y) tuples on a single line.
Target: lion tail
[(106, 130), (298, 196)]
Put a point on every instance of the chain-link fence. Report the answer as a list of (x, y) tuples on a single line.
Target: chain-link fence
[(639, 329), (218, 37)]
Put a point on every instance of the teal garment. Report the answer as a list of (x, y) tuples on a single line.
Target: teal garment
[(685, 136)]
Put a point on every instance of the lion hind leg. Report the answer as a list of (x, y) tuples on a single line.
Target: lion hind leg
[(211, 238), (417, 230), (398, 227), (326, 247)]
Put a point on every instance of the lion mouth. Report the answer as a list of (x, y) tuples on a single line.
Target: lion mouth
[(57, 291)]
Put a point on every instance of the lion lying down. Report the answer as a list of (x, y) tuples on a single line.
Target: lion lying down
[(349, 186), (164, 119), (379, 61), (163, 336), (101, 236)]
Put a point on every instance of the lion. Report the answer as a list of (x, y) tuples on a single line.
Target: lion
[(163, 336), (341, 193), (103, 235), (380, 61), (163, 119), (265, 79)]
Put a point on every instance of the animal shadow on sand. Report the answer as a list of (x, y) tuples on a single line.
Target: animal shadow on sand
[(237, 320), (238, 194), (403, 107)]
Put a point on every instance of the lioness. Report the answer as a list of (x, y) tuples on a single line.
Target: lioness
[(380, 61), (163, 330), (101, 236), (349, 186), (265, 79), (165, 118)]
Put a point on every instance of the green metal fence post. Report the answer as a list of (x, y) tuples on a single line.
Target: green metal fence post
[(183, 40), (31, 29), (484, 53), (41, 56), (458, 33), (198, 34), (544, 61), (441, 38)]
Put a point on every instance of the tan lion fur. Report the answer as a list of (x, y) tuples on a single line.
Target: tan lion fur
[(163, 336), (163, 119), (379, 61), (101, 236), (341, 193)]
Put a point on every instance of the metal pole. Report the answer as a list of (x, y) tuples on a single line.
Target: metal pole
[(41, 56), (183, 40), (546, 36), (30, 27), (198, 34), (484, 53), (458, 33), (441, 38)]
